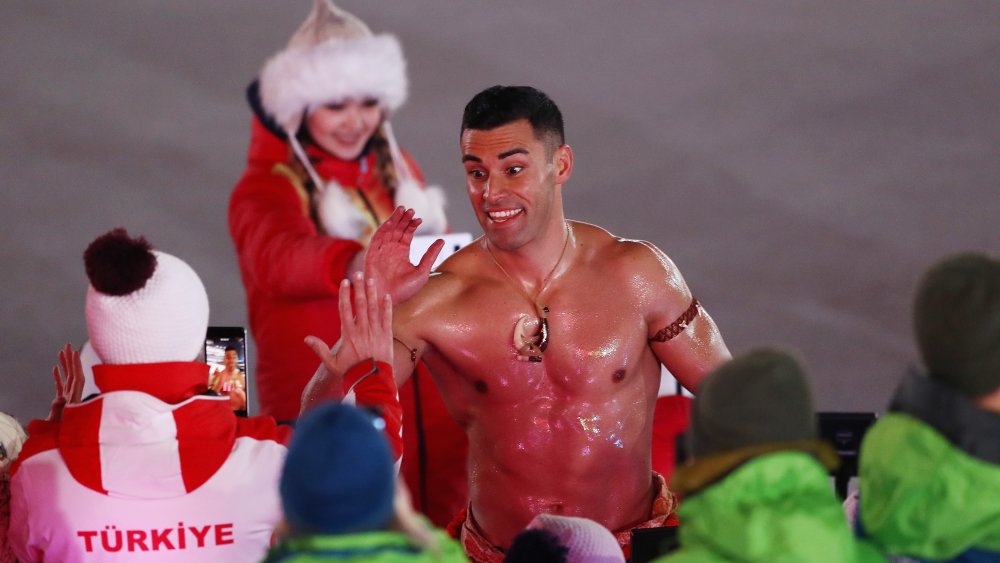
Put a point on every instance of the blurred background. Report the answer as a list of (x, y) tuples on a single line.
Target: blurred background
[(802, 162)]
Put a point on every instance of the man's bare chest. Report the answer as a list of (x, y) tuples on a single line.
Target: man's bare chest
[(593, 337)]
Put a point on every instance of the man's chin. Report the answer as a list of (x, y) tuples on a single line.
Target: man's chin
[(501, 241), (503, 235)]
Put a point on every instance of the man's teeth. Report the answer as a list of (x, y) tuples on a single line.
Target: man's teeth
[(503, 215)]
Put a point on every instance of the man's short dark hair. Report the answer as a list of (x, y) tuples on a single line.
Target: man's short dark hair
[(498, 105), (231, 348)]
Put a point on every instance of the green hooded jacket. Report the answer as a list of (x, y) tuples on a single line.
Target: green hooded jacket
[(776, 507), (923, 497), (374, 547)]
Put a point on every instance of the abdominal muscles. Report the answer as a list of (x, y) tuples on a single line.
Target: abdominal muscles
[(559, 456)]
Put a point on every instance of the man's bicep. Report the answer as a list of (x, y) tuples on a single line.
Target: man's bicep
[(681, 333), (690, 346)]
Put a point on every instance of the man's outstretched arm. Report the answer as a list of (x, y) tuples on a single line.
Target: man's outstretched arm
[(681, 332)]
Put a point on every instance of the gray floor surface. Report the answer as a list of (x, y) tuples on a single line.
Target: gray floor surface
[(802, 162)]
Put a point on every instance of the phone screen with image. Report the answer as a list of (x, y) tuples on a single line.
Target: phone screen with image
[(226, 356)]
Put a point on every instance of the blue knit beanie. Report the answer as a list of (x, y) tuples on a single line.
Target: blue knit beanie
[(338, 477)]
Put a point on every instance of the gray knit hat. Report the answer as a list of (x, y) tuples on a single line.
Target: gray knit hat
[(757, 403), (956, 317)]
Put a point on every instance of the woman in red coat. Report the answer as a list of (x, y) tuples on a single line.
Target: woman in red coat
[(323, 171)]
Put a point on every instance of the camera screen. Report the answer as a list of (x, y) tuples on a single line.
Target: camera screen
[(226, 356)]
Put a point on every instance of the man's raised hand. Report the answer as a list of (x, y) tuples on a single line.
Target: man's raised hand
[(388, 257)]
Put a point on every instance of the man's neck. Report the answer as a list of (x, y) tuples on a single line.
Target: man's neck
[(540, 260)]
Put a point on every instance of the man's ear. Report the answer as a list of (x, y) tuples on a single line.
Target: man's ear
[(563, 160)]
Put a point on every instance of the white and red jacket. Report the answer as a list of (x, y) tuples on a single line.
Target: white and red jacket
[(150, 470)]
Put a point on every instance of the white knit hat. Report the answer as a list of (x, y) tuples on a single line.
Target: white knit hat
[(143, 306), (12, 437), (587, 541)]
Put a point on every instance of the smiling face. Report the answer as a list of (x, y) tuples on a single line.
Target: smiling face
[(231, 360), (343, 128), (514, 180)]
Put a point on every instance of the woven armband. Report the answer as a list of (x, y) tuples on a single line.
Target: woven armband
[(678, 326)]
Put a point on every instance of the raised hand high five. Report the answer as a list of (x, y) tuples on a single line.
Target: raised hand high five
[(365, 333), (387, 260), (69, 379)]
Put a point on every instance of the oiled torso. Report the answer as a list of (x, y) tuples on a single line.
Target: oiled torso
[(570, 434)]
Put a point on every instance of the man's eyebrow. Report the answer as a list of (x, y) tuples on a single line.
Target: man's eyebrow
[(518, 150), (501, 156)]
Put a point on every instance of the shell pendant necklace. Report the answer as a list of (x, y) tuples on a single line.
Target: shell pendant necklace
[(530, 347)]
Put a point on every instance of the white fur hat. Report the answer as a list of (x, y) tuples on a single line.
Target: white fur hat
[(12, 437), (143, 306), (331, 57)]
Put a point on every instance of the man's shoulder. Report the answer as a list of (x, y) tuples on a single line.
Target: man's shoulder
[(644, 273), (463, 258), (629, 256), (452, 279), (459, 270)]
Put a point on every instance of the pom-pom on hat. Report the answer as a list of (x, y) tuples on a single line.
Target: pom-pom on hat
[(757, 403), (338, 476), (956, 317), (143, 306)]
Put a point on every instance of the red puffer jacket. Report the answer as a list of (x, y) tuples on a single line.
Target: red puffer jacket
[(291, 273)]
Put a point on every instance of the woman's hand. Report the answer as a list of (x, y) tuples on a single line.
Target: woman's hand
[(69, 378), (387, 259), (365, 333)]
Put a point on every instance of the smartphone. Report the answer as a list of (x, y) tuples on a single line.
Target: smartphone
[(226, 356)]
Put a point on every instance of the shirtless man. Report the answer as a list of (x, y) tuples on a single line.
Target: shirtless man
[(545, 336), (229, 381)]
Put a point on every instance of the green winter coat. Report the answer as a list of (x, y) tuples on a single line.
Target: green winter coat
[(775, 507), (375, 547), (923, 497)]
